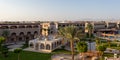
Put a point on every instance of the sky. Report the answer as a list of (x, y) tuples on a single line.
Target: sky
[(48, 10)]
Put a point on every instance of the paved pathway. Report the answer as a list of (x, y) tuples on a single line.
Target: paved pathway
[(113, 59), (13, 46), (67, 57)]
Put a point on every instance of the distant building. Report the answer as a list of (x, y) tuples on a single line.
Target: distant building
[(28, 31), (20, 31)]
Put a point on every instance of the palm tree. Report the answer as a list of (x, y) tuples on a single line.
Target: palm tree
[(101, 49), (17, 51), (71, 33), (90, 30), (82, 47)]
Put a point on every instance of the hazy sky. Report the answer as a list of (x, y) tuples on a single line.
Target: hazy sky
[(33, 10)]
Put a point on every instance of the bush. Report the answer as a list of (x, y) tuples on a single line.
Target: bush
[(63, 47), (113, 45)]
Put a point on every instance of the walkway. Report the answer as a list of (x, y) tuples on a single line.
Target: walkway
[(113, 59), (13, 46)]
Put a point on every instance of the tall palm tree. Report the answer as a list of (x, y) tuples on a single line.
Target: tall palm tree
[(90, 30), (71, 33)]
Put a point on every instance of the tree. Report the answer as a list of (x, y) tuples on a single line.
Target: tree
[(3, 48), (5, 33), (101, 49), (97, 40), (81, 47), (71, 33), (2, 39), (4, 51), (17, 51), (90, 31)]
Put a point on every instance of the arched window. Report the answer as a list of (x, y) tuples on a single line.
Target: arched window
[(13, 27), (21, 33), (42, 46), (28, 33), (20, 38), (13, 34), (28, 26), (31, 45), (47, 47), (35, 32)]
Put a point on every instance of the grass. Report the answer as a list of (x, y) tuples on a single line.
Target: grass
[(59, 51), (26, 55)]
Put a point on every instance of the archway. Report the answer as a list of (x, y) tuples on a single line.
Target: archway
[(47, 47), (13, 27), (35, 34), (31, 45), (29, 35), (13, 37), (57, 43), (42, 46), (21, 36), (37, 46), (28, 26)]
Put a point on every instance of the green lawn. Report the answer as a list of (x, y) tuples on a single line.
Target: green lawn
[(26, 55), (59, 51)]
